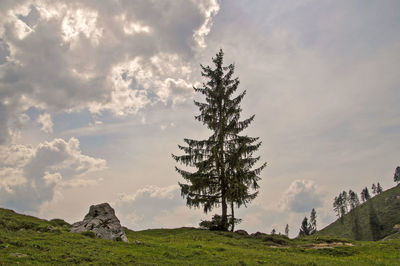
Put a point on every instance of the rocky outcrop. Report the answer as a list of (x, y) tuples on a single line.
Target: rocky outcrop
[(102, 221)]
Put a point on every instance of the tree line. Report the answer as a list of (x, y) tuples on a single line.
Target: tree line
[(346, 201)]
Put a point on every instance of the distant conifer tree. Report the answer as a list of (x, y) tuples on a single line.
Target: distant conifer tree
[(336, 205), (305, 228), (365, 194), (313, 222), (273, 232), (379, 189), (340, 204), (396, 177), (374, 189), (287, 230), (344, 204), (224, 162), (353, 199)]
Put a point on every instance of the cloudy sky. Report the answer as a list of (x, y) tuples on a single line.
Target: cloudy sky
[(96, 95)]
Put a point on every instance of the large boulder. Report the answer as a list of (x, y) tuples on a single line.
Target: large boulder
[(102, 221)]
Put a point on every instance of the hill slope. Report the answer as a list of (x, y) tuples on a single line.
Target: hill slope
[(372, 220), (28, 240)]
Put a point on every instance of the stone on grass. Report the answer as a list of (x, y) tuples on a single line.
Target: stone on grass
[(241, 232), (258, 235), (102, 221)]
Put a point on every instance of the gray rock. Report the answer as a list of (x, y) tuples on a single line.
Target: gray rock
[(242, 232), (102, 221), (258, 235)]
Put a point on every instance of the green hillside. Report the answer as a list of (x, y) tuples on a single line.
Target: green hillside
[(28, 240), (372, 220)]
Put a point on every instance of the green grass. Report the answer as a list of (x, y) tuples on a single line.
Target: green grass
[(372, 220), (393, 236), (28, 240)]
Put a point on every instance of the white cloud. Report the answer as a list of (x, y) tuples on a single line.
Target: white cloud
[(302, 196), (46, 122), (131, 27), (139, 82), (30, 176), (209, 8), (80, 21), (66, 56), (10, 177), (153, 206)]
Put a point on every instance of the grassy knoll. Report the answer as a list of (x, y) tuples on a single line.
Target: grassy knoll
[(28, 240), (372, 220)]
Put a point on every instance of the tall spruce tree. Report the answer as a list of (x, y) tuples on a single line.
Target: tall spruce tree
[(224, 162)]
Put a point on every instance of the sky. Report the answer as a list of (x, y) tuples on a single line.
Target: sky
[(96, 95)]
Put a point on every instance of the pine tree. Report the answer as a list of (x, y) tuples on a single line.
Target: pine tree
[(305, 228), (365, 194), (344, 204), (313, 222), (379, 189), (224, 162), (273, 232), (340, 204), (362, 195), (396, 177), (336, 206), (287, 230), (374, 189), (353, 199)]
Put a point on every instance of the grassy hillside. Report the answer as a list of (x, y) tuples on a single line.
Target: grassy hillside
[(28, 240), (372, 220)]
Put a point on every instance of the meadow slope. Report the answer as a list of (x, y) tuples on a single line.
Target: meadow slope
[(372, 220), (28, 240)]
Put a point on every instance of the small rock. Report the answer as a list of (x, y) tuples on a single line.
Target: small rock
[(137, 242), (18, 255), (241, 232), (396, 227)]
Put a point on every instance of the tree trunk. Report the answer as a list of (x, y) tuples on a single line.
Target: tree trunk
[(233, 217), (224, 218)]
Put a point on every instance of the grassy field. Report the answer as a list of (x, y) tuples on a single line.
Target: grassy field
[(28, 240), (372, 220)]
